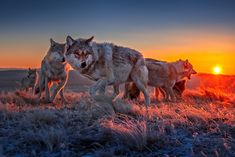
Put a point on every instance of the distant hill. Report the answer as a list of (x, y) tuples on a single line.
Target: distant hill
[(9, 79)]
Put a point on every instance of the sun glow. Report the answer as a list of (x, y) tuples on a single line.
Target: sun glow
[(217, 70)]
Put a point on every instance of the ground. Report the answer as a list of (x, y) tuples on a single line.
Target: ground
[(201, 124)]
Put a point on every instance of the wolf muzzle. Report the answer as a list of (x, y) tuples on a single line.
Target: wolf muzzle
[(83, 65)]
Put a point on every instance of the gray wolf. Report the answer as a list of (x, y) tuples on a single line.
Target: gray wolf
[(54, 70), (29, 81), (133, 92), (168, 77), (108, 64)]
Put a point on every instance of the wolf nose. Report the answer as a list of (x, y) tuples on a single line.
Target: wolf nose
[(63, 59), (83, 65)]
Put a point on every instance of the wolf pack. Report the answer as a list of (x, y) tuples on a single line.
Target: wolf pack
[(108, 65)]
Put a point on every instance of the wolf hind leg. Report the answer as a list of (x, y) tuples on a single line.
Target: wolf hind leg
[(157, 93), (169, 94), (139, 76), (172, 95)]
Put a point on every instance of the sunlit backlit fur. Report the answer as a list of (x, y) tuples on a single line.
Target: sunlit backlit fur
[(54, 69), (164, 76), (108, 64)]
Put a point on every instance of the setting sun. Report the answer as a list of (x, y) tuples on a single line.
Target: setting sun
[(217, 70)]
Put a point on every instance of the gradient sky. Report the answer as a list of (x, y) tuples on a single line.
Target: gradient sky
[(202, 31)]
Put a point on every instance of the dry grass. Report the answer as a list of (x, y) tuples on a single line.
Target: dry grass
[(202, 124)]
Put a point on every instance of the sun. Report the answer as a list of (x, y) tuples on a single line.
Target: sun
[(217, 70)]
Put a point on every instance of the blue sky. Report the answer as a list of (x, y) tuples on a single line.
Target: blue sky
[(162, 29), (104, 16)]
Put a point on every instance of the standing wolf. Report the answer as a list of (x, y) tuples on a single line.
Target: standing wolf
[(29, 81), (166, 76), (108, 64), (53, 70)]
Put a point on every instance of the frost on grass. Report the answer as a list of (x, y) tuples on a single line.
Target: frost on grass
[(201, 124)]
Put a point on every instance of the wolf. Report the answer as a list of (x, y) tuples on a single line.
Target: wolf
[(54, 70), (132, 91), (166, 77), (107, 64), (29, 81)]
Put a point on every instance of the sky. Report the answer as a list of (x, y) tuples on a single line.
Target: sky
[(202, 31)]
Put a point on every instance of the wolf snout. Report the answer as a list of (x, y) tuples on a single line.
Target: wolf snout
[(63, 60), (83, 65)]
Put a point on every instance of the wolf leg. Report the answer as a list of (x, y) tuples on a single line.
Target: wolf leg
[(172, 95), (33, 89), (163, 91), (99, 86), (47, 92), (41, 84), (58, 88), (139, 76), (108, 66), (116, 90), (156, 93), (169, 94), (62, 96), (143, 88), (126, 90), (166, 96), (131, 91)]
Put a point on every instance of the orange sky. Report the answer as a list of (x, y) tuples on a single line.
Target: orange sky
[(204, 50)]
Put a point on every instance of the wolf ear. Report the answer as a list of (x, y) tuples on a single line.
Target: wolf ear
[(194, 72), (52, 42), (89, 40), (69, 41)]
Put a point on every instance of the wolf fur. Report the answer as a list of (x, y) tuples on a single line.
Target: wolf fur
[(166, 77), (108, 64), (54, 70), (29, 81)]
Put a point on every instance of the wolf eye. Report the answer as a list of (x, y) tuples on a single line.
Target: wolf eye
[(77, 55), (87, 56)]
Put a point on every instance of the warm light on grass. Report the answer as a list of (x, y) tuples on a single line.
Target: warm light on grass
[(217, 70)]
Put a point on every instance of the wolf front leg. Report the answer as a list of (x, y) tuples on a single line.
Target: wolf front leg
[(58, 88), (33, 89), (47, 90), (102, 83), (62, 96)]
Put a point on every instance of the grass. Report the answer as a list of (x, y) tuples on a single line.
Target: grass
[(201, 124)]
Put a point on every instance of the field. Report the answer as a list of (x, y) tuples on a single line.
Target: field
[(201, 124)]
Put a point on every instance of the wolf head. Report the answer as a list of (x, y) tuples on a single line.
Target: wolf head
[(56, 52), (188, 68), (79, 52), (32, 73)]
